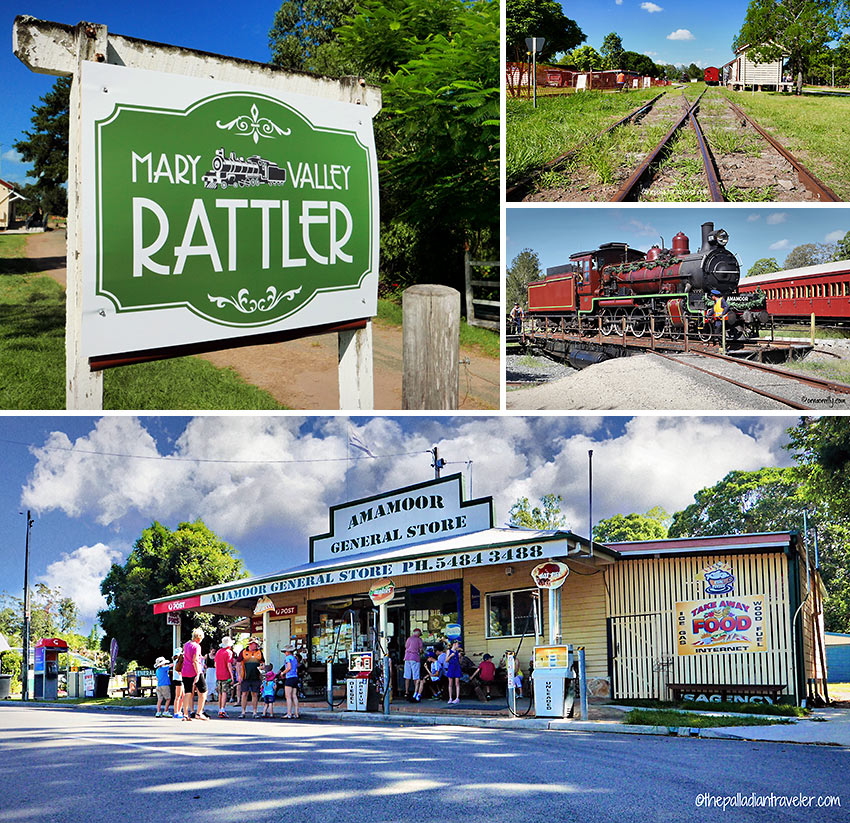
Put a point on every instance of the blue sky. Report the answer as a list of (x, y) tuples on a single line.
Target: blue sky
[(556, 232), (94, 483), (669, 31), (238, 30)]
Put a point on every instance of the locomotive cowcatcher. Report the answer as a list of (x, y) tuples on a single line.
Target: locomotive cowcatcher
[(654, 291)]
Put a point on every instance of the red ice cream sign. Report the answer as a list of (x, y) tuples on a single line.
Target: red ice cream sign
[(550, 575)]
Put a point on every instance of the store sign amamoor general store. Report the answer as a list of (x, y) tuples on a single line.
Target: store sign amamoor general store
[(373, 572), (214, 210), (721, 624), (416, 514)]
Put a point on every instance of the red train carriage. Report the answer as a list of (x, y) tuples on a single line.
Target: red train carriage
[(712, 76), (654, 291), (796, 294)]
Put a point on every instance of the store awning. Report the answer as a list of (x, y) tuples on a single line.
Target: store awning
[(496, 546)]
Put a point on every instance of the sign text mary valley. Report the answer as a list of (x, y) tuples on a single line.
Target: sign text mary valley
[(484, 557)]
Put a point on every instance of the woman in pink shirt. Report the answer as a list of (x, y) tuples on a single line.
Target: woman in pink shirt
[(191, 670)]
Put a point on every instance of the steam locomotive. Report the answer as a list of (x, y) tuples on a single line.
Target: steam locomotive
[(237, 171), (653, 291)]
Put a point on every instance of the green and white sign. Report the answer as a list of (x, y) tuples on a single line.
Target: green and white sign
[(214, 211)]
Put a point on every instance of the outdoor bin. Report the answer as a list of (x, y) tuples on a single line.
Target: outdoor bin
[(5, 686), (101, 685)]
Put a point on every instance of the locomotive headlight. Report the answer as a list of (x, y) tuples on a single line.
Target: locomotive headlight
[(722, 237)]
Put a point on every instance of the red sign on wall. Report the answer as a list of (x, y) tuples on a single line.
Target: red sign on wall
[(177, 605)]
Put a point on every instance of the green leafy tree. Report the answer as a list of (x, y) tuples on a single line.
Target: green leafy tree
[(809, 254), (164, 562), (640, 64), (764, 265), (694, 72), (797, 29), (46, 147), (612, 51), (583, 58), (438, 133), (547, 515), (539, 18), (652, 525), (524, 269), (303, 36), (842, 248)]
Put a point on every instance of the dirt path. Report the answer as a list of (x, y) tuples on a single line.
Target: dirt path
[(302, 374)]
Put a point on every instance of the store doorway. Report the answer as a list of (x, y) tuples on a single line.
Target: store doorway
[(434, 610), (279, 638)]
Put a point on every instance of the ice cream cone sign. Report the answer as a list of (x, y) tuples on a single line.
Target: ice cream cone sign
[(550, 575)]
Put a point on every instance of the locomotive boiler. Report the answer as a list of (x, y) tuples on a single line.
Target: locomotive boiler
[(615, 285), (239, 171)]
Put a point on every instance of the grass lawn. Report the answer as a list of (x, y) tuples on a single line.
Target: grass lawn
[(559, 124), (778, 709), (812, 128), (32, 355), (484, 341), (694, 720), (836, 370)]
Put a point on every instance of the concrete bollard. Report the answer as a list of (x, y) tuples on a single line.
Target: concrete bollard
[(431, 347)]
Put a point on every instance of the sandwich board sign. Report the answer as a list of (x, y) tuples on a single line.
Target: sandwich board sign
[(216, 210)]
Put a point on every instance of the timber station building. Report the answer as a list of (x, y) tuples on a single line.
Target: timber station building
[(736, 617)]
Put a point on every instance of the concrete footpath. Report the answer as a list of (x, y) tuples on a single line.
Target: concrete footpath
[(826, 727)]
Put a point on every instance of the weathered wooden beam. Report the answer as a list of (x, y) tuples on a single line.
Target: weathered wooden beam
[(49, 48)]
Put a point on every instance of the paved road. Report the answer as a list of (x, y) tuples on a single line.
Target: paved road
[(64, 766)]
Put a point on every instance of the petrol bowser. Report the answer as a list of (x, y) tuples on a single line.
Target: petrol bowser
[(46, 668), (361, 694), (553, 681)]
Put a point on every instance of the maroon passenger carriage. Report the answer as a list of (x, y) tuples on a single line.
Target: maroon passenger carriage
[(649, 292), (796, 294), (712, 76)]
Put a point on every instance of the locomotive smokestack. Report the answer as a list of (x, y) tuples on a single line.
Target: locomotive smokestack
[(707, 230)]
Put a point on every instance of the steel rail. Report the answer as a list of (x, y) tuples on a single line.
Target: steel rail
[(792, 404), (814, 382), (627, 189), (809, 180), (520, 189), (707, 162)]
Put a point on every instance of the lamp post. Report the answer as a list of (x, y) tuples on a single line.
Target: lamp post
[(25, 686)]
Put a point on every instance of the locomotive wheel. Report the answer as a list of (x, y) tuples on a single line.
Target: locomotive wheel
[(638, 322), (706, 332), (619, 316), (608, 326), (660, 325)]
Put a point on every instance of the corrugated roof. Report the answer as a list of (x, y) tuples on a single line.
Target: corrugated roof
[(714, 543)]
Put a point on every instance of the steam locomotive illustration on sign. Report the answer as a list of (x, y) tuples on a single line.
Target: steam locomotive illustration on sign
[(239, 171), (615, 285)]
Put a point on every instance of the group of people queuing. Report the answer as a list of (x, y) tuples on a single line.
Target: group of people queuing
[(231, 673), (446, 668)]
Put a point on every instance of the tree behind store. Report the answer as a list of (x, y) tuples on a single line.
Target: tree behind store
[(164, 562)]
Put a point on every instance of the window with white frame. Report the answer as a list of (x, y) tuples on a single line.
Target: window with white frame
[(509, 614)]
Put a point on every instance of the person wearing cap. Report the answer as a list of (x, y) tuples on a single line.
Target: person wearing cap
[(224, 673), (486, 674), (517, 315), (163, 685), (290, 682), (250, 660), (719, 310)]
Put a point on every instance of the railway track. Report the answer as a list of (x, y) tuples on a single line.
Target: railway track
[(796, 391), (636, 185), (728, 171)]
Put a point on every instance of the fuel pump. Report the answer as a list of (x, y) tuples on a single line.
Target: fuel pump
[(361, 694)]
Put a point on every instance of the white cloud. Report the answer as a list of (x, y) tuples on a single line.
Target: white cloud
[(12, 156), (650, 53), (641, 228), (654, 461), (680, 34), (619, 2), (835, 236), (651, 7), (753, 218), (79, 575), (775, 218), (780, 244)]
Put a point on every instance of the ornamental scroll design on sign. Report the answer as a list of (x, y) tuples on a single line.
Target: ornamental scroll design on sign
[(248, 305), (253, 126)]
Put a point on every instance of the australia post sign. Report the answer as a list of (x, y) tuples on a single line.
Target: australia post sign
[(214, 210)]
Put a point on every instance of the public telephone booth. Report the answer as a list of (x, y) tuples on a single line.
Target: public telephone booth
[(46, 671)]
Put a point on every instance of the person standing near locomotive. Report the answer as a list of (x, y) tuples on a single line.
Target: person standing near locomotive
[(719, 310), (517, 316)]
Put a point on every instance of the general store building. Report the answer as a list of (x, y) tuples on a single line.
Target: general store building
[(702, 612)]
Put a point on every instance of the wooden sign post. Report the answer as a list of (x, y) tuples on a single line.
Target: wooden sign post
[(162, 261)]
